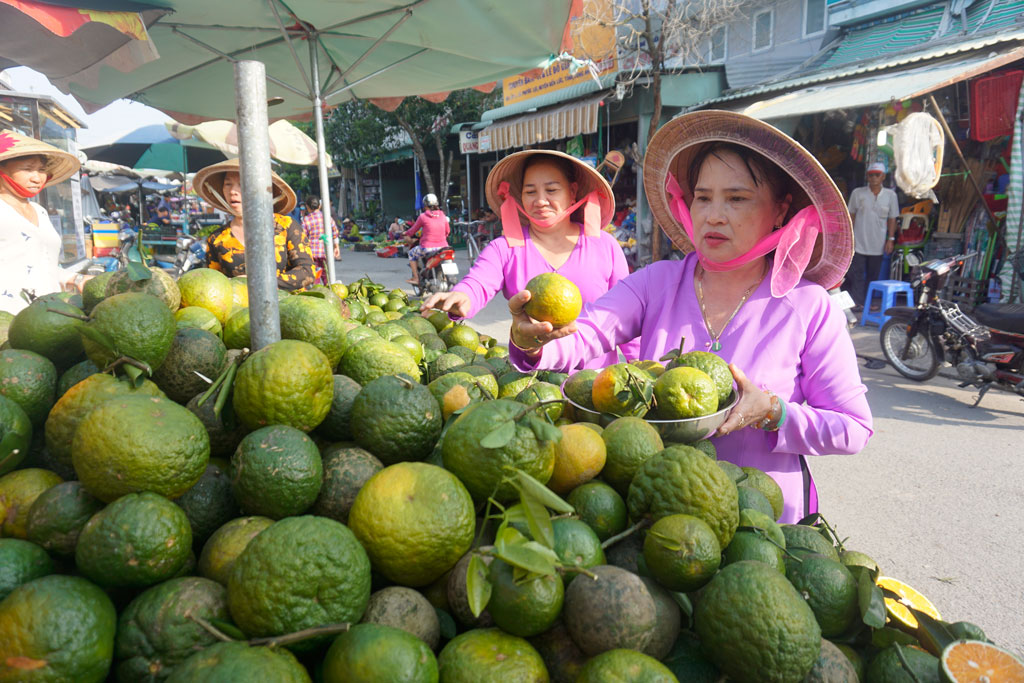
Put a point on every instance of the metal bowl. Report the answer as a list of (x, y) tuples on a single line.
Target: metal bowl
[(688, 430)]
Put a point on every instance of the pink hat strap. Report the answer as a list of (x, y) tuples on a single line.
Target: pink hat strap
[(512, 228), (792, 243)]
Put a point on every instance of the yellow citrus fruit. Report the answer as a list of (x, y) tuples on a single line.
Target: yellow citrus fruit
[(554, 299), (579, 457), (908, 596), (622, 389), (685, 392), (209, 289), (18, 490)]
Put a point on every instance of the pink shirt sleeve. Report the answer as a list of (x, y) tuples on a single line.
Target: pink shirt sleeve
[(620, 270), (486, 277)]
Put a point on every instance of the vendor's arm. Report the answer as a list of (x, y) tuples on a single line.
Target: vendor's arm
[(620, 271), (835, 418), (299, 273), (479, 285), (415, 226), (614, 319)]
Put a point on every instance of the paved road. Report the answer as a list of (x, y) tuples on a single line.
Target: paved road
[(935, 497)]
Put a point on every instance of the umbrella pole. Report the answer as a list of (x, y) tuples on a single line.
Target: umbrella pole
[(321, 160), (258, 213)]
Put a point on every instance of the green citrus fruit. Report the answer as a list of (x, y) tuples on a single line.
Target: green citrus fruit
[(226, 544), (75, 374), (346, 468), (157, 630), (239, 292), (225, 430), (579, 388), (808, 538), (887, 666), (192, 351), (756, 479), (625, 665), (554, 299), (30, 380), (56, 628), (276, 472), (396, 419), (415, 521), (832, 666), (682, 552), (829, 589), (139, 443), (490, 655), (339, 289), (58, 516), (234, 661), (138, 540), (299, 573), (159, 284), (525, 607), (651, 367), (406, 609), (417, 325), (288, 382), (372, 358), (614, 611), (683, 480), (316, 321), (460, 334), (337, 425), (46, 328), (136, 325), (689, 663), (209, 504), (236, 330), (209, 289), (600, 507), (20, 562), (716, 368), (629, 443), (685, 392), (543, 392), (15, 435), (373, 652), (576, 545), (18, 491), (483, 468), (198, 318), (622, 389), (751, 546), (752, 499), (95, 290)]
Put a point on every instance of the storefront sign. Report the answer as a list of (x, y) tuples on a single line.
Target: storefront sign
[(484, 142), (591, 41), (468, 142)]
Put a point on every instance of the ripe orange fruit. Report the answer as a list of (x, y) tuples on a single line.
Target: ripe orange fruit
[(908, 596), (554, 299)]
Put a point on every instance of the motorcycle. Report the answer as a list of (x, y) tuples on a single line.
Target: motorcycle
[(189, 253), (437, 272), (986, 347)]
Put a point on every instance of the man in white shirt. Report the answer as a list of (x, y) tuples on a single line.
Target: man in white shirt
[(874, 210)]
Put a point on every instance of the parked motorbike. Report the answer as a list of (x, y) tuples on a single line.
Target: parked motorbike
[(438, 272), (130, 249), (190, 252), (986, 347)]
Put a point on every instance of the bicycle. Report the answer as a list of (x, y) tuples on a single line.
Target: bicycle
[(468, 231)]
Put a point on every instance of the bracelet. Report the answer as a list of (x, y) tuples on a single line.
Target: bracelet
[(892, 238), (777, 407), (528, 352)]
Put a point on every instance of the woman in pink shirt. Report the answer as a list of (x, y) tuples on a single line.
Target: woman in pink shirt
[(435, 227), (771, 233), (564, 203)]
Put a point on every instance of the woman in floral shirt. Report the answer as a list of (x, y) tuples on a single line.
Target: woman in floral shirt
[(220, 185)]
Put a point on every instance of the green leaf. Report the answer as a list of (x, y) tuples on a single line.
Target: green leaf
[(316, 295), (685, 605), (810, 519), (527, 485), (887, 637), (136, 375), (531, 556), (137, 272), (938, 631), (94, 335), (872, 605), (227, 628), (544, 431), (500, 435), (478, 586), (430, 355), (508, 537), (448, 628), (538, 519), (515, 514)]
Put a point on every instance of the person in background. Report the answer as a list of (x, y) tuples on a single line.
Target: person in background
[(221, 186), (396, 229), (313, 228), (874, 210), (29, 245), (349, 230), (435, 228), (163, 212), (767, 234), (555, 226)]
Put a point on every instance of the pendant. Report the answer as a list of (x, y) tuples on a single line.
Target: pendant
[(717, 346)]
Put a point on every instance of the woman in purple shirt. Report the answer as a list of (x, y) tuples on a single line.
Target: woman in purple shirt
[(771, 233), (564, 204)]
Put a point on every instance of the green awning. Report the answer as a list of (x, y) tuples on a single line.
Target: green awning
[(886, 38), (564, 95)]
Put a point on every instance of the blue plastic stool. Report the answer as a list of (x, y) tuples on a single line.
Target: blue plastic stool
[(888, 290)]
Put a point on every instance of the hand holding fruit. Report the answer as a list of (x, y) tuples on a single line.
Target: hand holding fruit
[(456, 303), (529, 334), (753, 406)]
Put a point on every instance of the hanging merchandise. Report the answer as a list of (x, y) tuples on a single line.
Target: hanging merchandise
[(860, 137), (918, 142)]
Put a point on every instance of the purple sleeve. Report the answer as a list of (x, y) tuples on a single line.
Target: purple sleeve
[(835, 418), (485, 278), (614, 319), (620, 270)]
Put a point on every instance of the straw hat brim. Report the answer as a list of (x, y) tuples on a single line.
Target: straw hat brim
[(208, 183), (510, 169), (60, 165), (673, 147)]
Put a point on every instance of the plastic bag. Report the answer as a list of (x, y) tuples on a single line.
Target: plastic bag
[(918, 142)]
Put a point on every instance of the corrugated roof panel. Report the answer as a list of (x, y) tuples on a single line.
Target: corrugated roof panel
[(887, 38)]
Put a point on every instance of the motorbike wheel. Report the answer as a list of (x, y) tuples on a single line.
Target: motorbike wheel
[(921, 363)]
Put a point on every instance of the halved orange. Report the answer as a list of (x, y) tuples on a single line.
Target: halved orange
[(972, 661), (908, 597)]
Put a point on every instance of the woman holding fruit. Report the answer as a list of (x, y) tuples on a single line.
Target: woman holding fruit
[(552, 208), (769, 233)]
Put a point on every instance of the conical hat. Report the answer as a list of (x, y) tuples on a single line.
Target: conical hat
[(208, 183), (60, 165)]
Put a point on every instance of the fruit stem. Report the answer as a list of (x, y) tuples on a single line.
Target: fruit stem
[(213, 387), (225, 389), (533, 406), (637, 390), (83, 318), (483, 526), (627, 533), (835, 536), (125, 360), (906, 665), (213, 630), (298, 636), (576, 569)]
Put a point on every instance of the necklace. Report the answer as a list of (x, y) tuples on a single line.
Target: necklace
[(715, 344)]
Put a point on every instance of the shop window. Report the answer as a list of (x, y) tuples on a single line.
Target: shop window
[(763, 30), (815, 13), (717, 45)]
